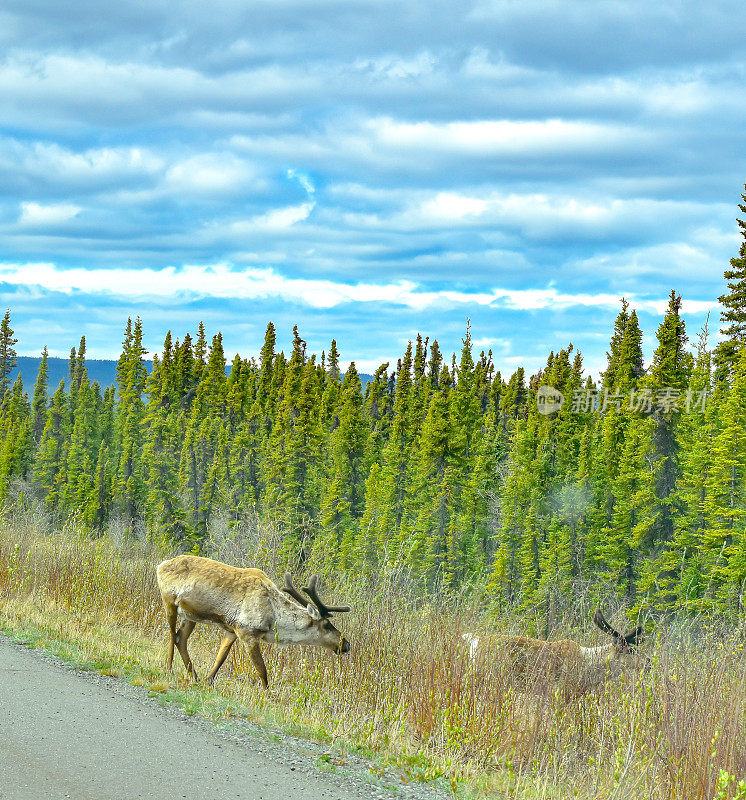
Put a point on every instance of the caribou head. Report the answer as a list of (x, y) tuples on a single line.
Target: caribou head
[(319, 613)]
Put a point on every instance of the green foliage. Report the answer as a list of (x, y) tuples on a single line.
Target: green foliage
[(733, 315), (7, 353), (635, 488)]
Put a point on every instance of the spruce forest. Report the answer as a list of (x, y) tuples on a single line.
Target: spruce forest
[(444, 466)]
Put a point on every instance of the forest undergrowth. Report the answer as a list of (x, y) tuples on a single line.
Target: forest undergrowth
[(408, 692)]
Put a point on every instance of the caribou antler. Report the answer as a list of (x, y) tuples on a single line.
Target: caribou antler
[(292, 591), (601, 622), (324, 610), (629, 639), (635, 637)]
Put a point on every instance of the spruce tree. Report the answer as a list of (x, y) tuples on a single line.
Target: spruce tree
[(79, 489), (610, 379), (514, 398), (166, 516), (200, 351), (100, 501), (429, 503), (521, 491), (8, 360), (733, 315), (435, 364), (476, 501), (217, 473), (16, 442), (667, 380), (629, 365), (343, 491), (40, 399), (292, 465), (51, 456), (184, 372), (266, 364), (725, 503), (556, 573), (213, 385), (238, 395), (632, 511), (333, 382), (396, 456), (129, 489), (379, 408)]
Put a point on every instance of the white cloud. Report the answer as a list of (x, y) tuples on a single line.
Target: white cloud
[(279, 219), (252, 283), (36, 214), (139, 87), (492, 343), (537, 216), (210, 173), (507, 137), (303, 180), (677, 93), (478, 64), (667, 261), (421, 147), (54, 165), (373, 154), (687, 306), (446, 206)]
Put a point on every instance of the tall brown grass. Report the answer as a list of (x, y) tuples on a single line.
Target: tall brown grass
[(408, 689)]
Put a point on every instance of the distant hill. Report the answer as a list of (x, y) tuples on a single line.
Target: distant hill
[(102, 370)]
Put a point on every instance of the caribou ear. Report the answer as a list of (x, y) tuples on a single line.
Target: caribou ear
[(313, 612)]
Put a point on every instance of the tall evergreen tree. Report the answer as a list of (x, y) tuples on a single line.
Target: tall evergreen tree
[(166, 516), (396, 458), (634, 487), (41, 398), (16, 442), (51, 457), (733, 315), (343, 491), (725, 504), (8, 360), (129, 489), (610, 376), (667, 380)]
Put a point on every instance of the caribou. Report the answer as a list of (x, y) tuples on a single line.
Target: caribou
[(245, 604), (539, 666)]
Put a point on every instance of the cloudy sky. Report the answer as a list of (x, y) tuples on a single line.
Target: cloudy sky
[(367, 169)]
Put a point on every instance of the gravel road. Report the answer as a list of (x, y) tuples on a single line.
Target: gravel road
[(65, 733)]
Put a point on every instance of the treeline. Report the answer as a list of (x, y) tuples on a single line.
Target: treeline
[(636, 486)]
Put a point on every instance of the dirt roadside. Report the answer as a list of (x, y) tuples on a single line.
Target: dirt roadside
[(65, 733)]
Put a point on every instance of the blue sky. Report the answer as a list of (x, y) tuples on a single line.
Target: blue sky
[(367, 170)]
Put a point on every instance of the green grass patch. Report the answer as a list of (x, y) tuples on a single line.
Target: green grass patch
[(407, 697)]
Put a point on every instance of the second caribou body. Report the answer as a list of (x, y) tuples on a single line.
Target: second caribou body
[(539, 666), (246, 605)]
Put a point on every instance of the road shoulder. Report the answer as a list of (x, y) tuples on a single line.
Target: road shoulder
[(66, 732)]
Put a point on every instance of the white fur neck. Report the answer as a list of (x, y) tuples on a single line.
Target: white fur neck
[(291, 624), (597, 655)]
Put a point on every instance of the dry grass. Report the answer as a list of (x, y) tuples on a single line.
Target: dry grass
[(408, 690)]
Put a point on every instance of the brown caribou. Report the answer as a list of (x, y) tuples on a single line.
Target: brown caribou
[(246, 605), (540, 666)]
